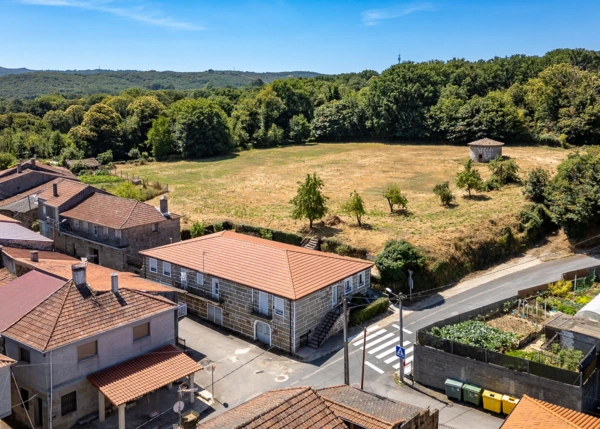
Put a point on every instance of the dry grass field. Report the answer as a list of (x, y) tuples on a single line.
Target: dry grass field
[(255, 187)]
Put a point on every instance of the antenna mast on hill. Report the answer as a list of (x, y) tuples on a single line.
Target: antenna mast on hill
[(399, 58)]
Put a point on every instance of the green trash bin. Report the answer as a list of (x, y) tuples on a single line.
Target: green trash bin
[(453, 389), (472, 394)]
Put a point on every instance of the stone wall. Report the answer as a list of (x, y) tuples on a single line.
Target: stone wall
[(5, 392), (487, 153), (432, 367), (427, 419)]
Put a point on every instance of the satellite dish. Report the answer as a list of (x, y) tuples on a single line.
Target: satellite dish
[(178, 407)]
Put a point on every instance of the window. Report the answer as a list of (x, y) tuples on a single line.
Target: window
[(152, 265), (105, 230), (215, 288), (278, 305), (84, 226), (348, 285), (167, 269), (184, 278), (87, 351), (200, 278), (24, 355), (117, 233), (95, 230), (44, 209), (75, 223), (68, 403), (25, 399), (361, 279), (154, 227), (141, 331)]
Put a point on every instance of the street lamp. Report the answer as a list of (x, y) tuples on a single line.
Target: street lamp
[(399, 296)]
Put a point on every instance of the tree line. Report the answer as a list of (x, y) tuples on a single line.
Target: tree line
[(552, 99)]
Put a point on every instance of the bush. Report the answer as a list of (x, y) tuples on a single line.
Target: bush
[(129, 190), (197, 229), (478, 334), (342, 250), (267, 234), (105, 157), (583, 300), (394, 261), (443, 191), (134, 153), (7, 160), (98, 179), (548, 140), (69, 152), (361, 315), (504, 171), (535, 185), (561, 288)]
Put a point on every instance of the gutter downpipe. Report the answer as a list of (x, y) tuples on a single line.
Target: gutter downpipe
[(51, 385), (294, 327)]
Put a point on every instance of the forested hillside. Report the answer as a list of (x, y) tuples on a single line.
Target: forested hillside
[(553, 100), (23, 83)]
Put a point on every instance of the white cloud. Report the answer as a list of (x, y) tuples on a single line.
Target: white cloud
[(375, 16), (140, 14)]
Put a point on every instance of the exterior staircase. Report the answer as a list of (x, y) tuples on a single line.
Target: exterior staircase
[(312, 244), (323, 329)]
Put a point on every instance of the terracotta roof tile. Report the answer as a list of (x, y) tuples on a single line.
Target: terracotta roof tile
[(532, 413), (5, 361), (20, 296), (141, 375), (67, 189), (486, 142), (39, 166), (32, 191), (115, 212), (298, 407), (367, 409), (98, 277), (8, 219), (71, 314), (282, 269)]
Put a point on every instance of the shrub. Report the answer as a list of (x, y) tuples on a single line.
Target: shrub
[(342, 250), (394, 261), (535, 185), (7, 160), (98, 179), (361, 315), (197, 229), (105, 157), (583, 300), (218, 226), (129, 190), (504, 171), (561, 288), (548, 140), (134, 153), (267, 234), (478, 334), (443, 191)]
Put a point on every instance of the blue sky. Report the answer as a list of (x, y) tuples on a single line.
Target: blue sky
[(260, 35)]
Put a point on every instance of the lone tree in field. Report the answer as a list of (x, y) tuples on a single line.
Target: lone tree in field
[(443, 191), (309, 202), (469, 178), (394, 197), (355, 206)]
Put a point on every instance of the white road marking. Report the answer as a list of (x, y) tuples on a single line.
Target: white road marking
[(372, 328), (404, 329), (383, 346), (370, 365), (358, 341), (378, 340), (393, 358), (392, 350)]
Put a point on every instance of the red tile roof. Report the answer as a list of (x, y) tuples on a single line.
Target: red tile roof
[(115, 212), (67, 189), (282, 269), (532, 413), (8, 219), (5, 361), (486, 142), (72, 314), (20, 296), (297, 407), (32, 191), (141, 375), (39, 166), (367, 409)]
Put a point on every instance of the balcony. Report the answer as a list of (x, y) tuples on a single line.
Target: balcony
[(263, 313), (202, 294)]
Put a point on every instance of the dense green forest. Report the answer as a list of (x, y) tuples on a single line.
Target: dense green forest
[(552, 99), (24, 83)]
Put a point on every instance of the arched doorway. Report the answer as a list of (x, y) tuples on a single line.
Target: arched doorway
[(262, 332)]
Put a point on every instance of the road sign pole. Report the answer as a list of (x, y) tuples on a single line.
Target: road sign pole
[(401, 338), (362, 375)]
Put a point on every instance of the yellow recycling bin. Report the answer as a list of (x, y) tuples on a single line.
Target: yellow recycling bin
[(492, 401), (509, 403)]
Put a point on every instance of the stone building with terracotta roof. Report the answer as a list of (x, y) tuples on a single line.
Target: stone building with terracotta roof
[(282, 295), (337, 407), (80, 350), (484, 150), (108, 230)]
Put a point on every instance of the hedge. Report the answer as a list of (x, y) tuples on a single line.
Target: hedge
[(361, 315)]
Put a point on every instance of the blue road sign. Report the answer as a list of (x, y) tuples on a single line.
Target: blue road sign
[(401, 352)]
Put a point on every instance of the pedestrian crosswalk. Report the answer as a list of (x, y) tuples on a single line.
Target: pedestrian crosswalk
[(381, 348)]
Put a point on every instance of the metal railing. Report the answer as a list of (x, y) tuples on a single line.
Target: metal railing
[(182, 310), (202, 294), (262, 312)]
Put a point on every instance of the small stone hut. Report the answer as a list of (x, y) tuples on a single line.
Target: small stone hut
[(485, 150)]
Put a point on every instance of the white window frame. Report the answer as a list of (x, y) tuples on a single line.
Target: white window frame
[(152, 265), (200, 279), (216, 289), (44, 209), (183, 277), (279, 302), (117, 233), (105, 230), (361, 279), (167, 272), (335, 294), (347, 282), (154, 227)]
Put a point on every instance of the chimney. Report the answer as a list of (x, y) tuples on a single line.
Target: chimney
[(164, 205), (114, 283), (79, 277), (19, 167), (33, 255), (33, 162), (55, 189)]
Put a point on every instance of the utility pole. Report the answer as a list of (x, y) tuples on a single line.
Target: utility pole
[(362, 374), (346, 367), (401, 335)]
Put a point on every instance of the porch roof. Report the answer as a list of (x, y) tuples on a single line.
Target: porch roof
[(139, 376)]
